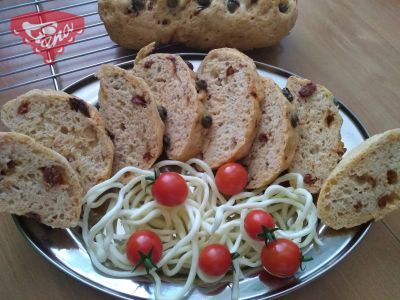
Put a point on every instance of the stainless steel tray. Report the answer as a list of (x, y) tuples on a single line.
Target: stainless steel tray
[(65, 250)]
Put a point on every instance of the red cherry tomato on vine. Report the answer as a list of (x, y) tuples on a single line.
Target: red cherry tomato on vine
[(145, 242), (215, 260), (281, 257), (170, 189), (231, 178), (255, 220)]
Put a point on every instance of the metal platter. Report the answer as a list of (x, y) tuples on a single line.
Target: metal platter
[(65, 249)]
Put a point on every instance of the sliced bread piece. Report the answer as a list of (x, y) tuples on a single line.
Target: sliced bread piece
[(173, 85), (37, 182), (365, 185), (276, 140), (130, 114), (234, 95), (320, 147), (67, 125)]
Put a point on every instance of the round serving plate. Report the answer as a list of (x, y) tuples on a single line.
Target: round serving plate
[(65, 248)]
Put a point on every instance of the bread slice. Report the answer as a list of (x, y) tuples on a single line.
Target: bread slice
[(320, 147), (67, 125), (234, 95), (37, 182), (173, 85), (365, 185), (276, 140), (130, 114)]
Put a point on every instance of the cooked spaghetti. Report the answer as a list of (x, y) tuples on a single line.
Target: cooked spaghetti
[(206, 217)]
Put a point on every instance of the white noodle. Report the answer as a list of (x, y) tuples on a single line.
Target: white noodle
[(206, 217)]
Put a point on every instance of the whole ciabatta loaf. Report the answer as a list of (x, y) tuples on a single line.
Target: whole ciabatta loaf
[(365, 185), (37, 182), (276, 140), (173, 84), (131, 116), (320, 147), (235, 94), (67, 125), (203, 24)]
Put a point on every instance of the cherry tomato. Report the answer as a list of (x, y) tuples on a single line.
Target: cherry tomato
[(144, 241), (231, 178), (254, 221), (170, 189), (215, 260), (281, 257)]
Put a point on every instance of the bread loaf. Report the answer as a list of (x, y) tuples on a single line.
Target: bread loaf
[(130, 114), (235, 92), (67, 125), (276, 140), (173, 84), (365, 185), (202, 24), (318, 124), (37, 182)]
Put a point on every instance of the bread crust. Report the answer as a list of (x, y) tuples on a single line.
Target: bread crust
[(365, 185), (254, 24), (276, 139), (69, 126), (26, 188)]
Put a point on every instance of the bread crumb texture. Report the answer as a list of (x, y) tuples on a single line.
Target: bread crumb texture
[(320, 147), (37, 182), (365, 185), (69, 126), (235, 93)]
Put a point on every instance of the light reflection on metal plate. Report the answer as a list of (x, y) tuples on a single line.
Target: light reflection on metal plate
[(65, 250)]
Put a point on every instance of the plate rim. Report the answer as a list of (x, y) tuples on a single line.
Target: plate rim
[(354, 242)]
